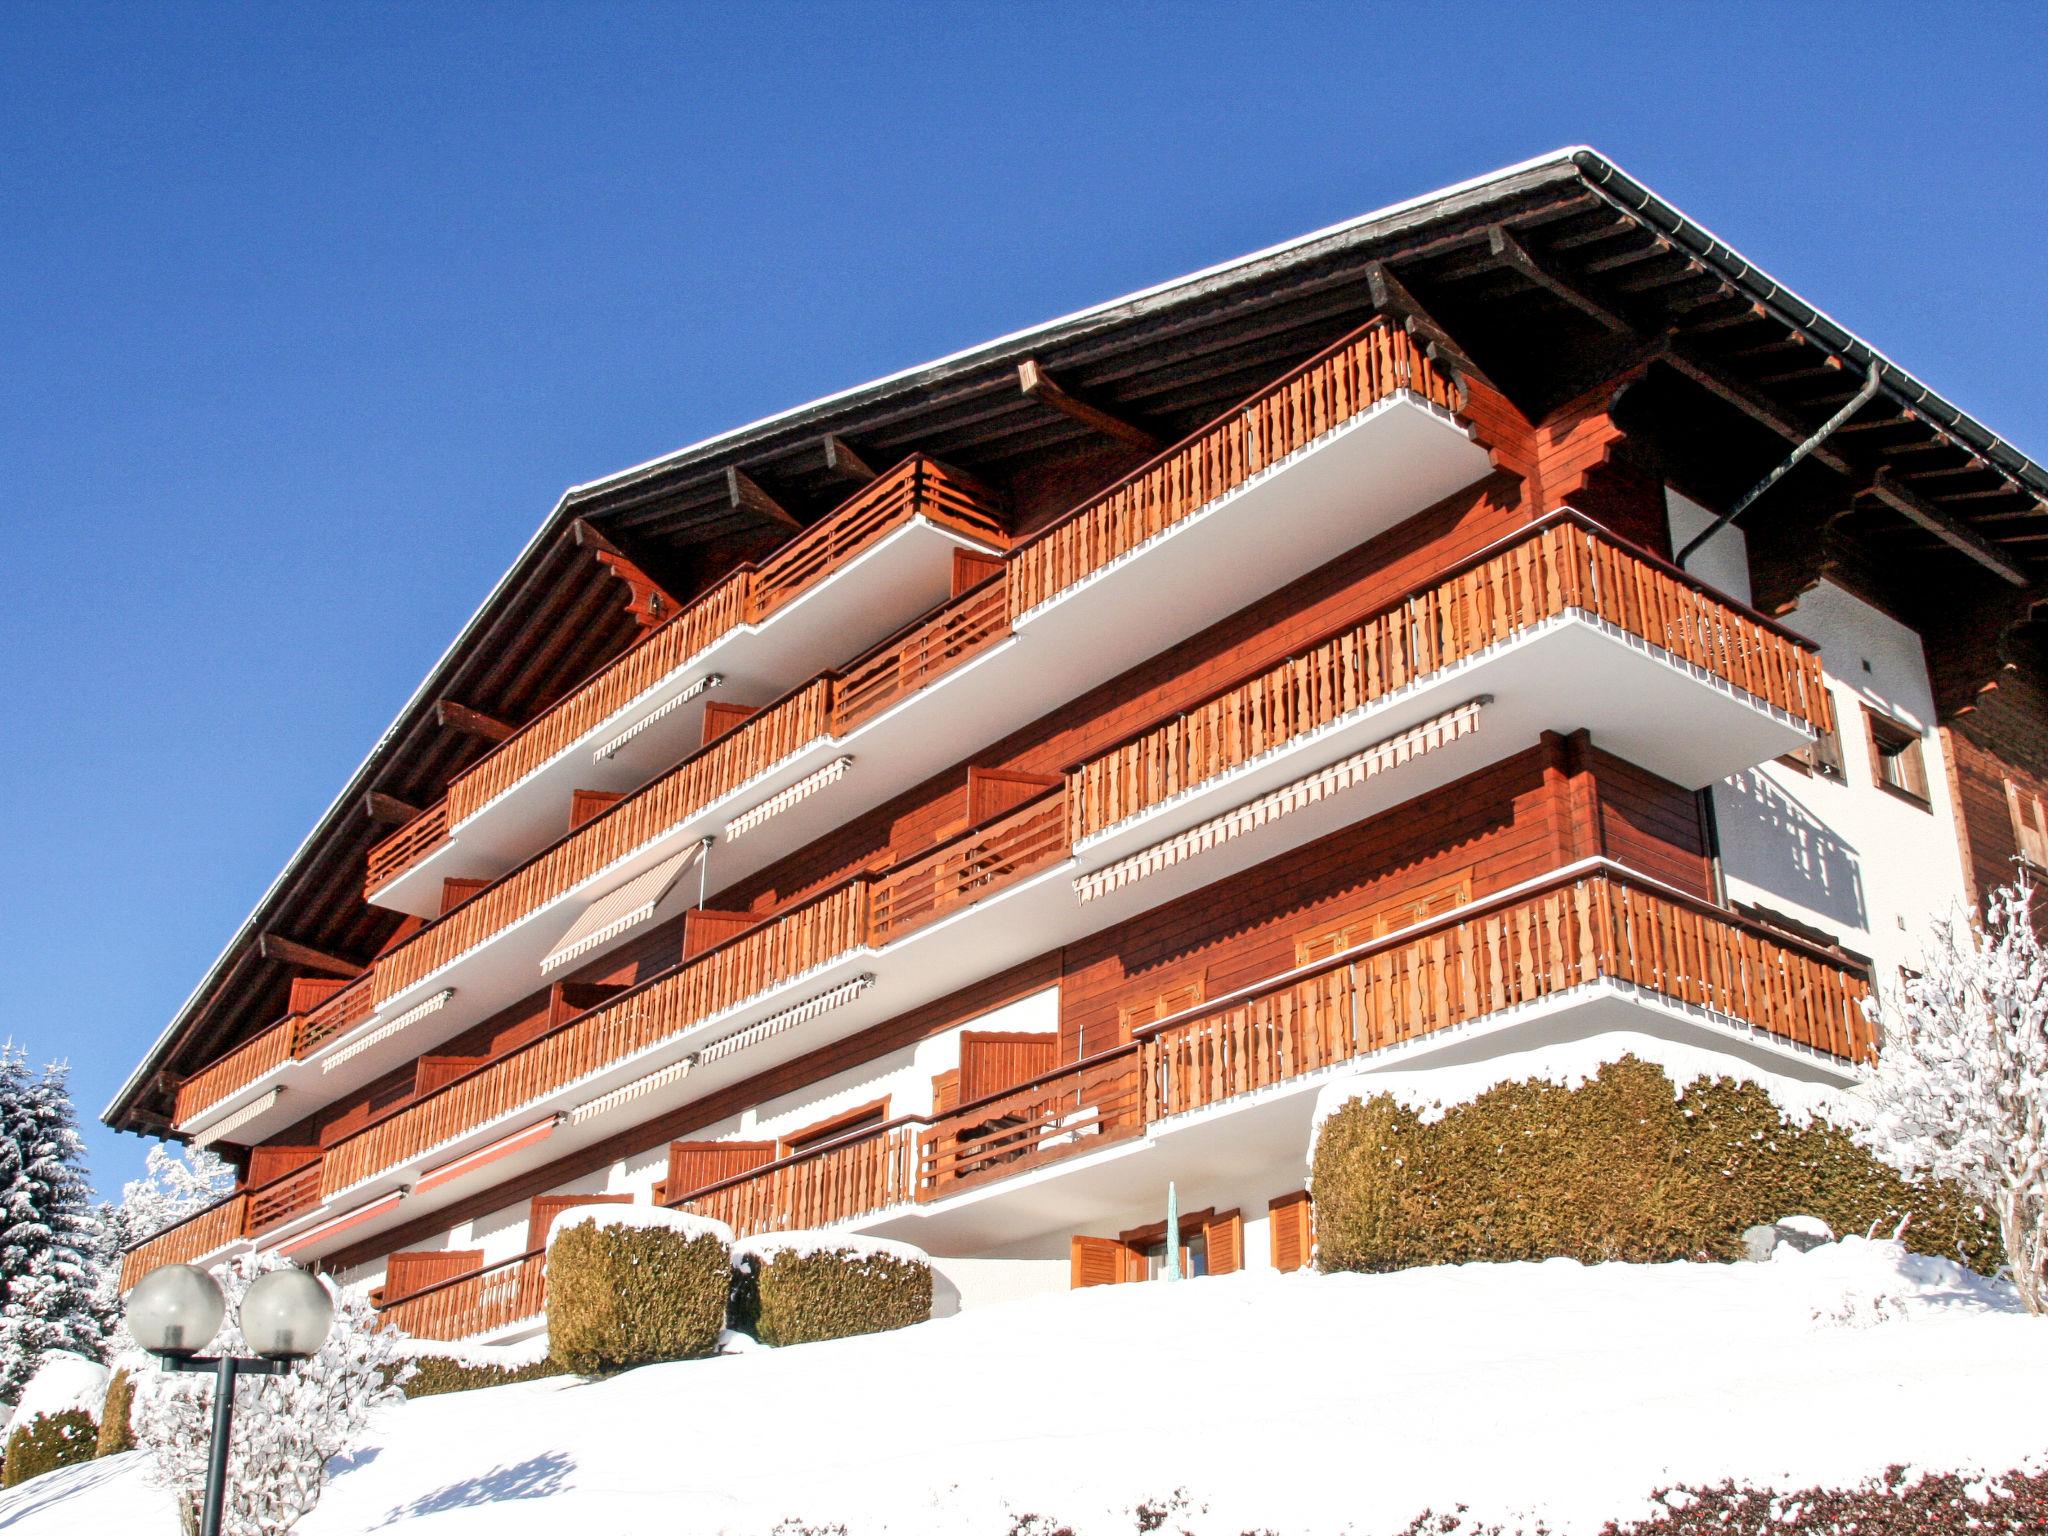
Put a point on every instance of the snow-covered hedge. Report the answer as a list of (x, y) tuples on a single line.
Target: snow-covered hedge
[(630, 1285), (117, 1431), (801, 1287), (447, 1366), (1622, 1165)]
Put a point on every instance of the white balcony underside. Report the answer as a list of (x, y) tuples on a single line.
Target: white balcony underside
[(1569, 664), (877, 592), (1228, 1144)]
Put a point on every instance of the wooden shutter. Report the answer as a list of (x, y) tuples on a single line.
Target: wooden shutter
[(1376, 922), (971, 569), (267, 1163), (1225, 1235), (720, 718), (455, 891), (2029, 824), (545, 1208), (946, 1091), (992, 792), (431, 1072), (694, 1164), (586, 803), (1290, 1225), (861, 1117), (309, 992), (1103, 1261), (704, 928), (405, 1273), (992, 1060), (1184, 993)]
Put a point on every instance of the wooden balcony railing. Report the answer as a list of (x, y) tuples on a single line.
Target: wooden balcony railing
[(831, 1184), (1500, 954), (341, 1012), (1328, 390), (284, 1197), (406, 847), (783, 947), (958, 632), (724, 765), (970, 866), (240, 1067), (475, 1303), (1564, 563), (1076, 1109), (918, 487), (193, 1238)]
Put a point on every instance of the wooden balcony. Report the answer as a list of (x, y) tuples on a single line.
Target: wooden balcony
[(1505, 953), (916, 488), (197, 1237), (1372, 365), (1565, 564), (1591, 925), (968, 867), (292, 1038)]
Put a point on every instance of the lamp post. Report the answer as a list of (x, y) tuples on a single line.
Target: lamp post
[(176, 1311)]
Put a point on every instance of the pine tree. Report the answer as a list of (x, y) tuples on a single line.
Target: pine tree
[(51, 1296)]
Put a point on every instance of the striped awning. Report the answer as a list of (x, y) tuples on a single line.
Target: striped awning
[(624, 907), (783, 799), (1305, 791), (237, 1120)]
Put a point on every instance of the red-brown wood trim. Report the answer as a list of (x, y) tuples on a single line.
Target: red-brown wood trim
[(811, 1137)]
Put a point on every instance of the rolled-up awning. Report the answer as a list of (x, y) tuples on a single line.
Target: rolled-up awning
[(625, 906)]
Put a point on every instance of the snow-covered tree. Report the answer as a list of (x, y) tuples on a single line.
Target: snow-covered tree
[(1961, 1087), (175, 1183), (286, 1428), (50, 1241)]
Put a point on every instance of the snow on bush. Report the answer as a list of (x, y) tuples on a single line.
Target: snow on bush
[(63, 1381), (632, 1285), (286, 1428), (805, 1287), (638, 1217), (1961, 1087)]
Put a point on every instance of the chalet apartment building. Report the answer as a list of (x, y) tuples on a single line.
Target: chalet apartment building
[(953, 809)]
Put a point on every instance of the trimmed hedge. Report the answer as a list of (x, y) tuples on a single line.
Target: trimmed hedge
[(48, 1441), (620, 1296), (819, 1291), (1620, 1167), (116, 1433), (438, 1374)]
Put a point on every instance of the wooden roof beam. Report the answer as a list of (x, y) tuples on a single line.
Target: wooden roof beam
[(1039, 385), (647, 600), (1957, 535), (743, 493), (275, 946), (841, 460), (1390, 296), (388, 810), (1517, 256), (471, 722)]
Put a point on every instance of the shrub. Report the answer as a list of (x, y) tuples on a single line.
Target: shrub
[(632, 1286), (116, 1433), (1620, 1167), (439, 1373), (801, 1287), (46, 1442)]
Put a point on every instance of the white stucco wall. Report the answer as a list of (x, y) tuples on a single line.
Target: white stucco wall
[(1847, 856)]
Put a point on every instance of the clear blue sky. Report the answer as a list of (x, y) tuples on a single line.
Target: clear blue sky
[(309, 315)]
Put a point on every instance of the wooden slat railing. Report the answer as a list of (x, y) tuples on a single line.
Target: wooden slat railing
[(1328, 390), (1505, 954), (917, 486), (970, 866), (835, 1183), (195, 1237), (1058, 1115), (406, 847), (343, 1011), (779, 949), (240, 1067), (958, 632), (739, 755), (285, 1197), (1564, 563), (465, 1305)]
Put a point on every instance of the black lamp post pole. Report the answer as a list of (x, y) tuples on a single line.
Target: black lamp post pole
[(224, 1369)]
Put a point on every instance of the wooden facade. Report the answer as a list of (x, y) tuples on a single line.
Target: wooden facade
[(1554, 871)]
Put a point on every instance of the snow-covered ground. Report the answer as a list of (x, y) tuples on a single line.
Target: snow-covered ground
[(1293, 1403)]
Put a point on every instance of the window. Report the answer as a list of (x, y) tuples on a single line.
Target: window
[(1895, 759), (1378, 921), (1194, 1258), (1182, 994), (2029, 824)]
